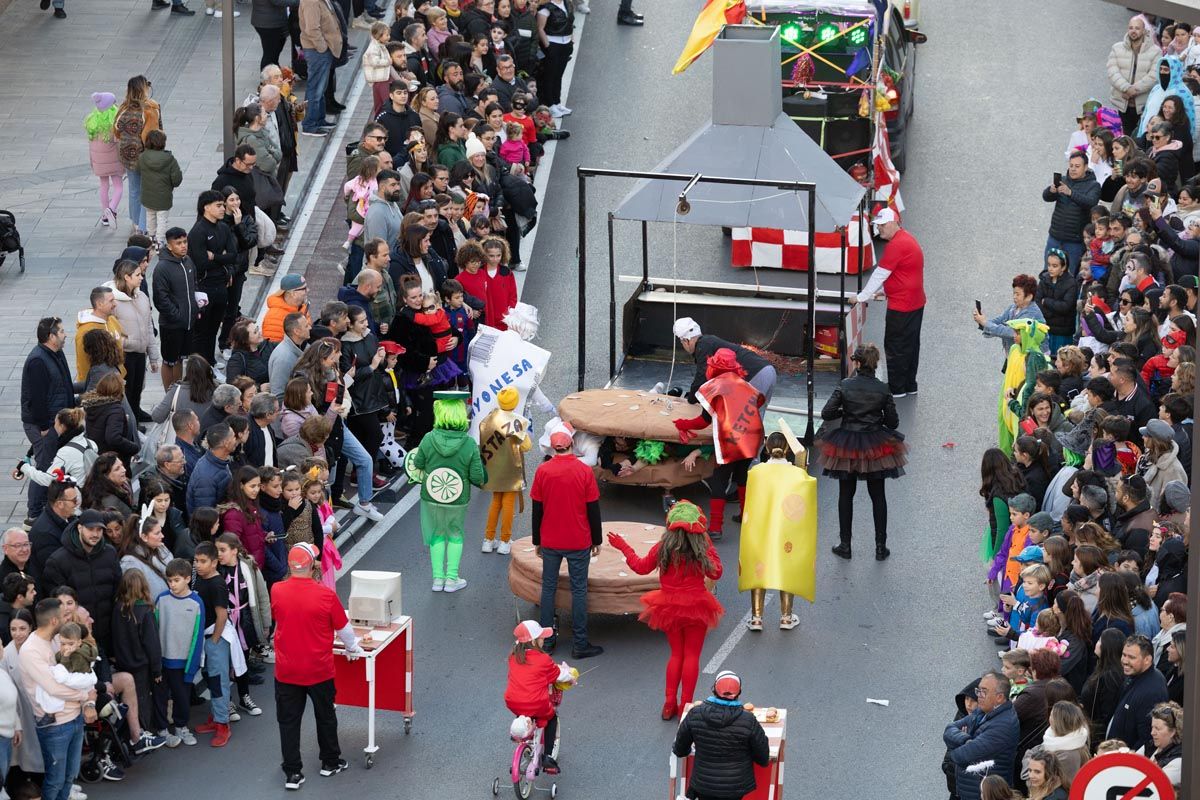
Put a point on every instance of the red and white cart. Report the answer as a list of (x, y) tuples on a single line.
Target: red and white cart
[(389, 653), (768, 779)]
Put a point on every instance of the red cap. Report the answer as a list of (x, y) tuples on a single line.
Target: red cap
[(302, 556), (561, 440), (391, 348)]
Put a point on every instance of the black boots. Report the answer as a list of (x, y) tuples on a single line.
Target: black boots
[(630, 18), (842, 550), (881, 552)]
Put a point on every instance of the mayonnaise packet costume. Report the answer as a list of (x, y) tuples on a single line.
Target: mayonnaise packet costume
[(502, 359)]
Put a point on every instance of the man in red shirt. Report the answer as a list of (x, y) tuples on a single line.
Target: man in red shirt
[(901, 275), (566, 525), (307, 616)]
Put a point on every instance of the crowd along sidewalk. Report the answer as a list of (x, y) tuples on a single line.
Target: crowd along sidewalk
[(51, 67)]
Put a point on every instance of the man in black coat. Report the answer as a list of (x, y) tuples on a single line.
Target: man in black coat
[(46, 389), (89, 565), (1134, 520), (728, 739), (46, 533), (1145, 687), (1073, 197), (174, 293), (759, 372), (236, 172), (507, 82), (1131, 400), (989, 733), (261, 447), (398, 119)]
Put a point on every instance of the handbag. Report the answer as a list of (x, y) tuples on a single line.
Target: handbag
[(159, 434), (267, 193)]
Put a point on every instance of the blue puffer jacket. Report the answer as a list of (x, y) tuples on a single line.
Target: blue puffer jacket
[(208, 482), (988, 737)]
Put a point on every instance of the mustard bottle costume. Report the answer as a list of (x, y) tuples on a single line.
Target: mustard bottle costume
[(503, 441)]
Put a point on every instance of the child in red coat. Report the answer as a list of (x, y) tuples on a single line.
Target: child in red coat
[(501, 283), (683, 608), (531, 673)]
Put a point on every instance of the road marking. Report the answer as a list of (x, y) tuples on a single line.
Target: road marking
[(379, 530), (714, 664)]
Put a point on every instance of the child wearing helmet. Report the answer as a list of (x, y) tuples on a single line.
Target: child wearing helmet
[(530, 675)]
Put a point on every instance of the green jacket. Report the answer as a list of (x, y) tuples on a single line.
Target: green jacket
[(451, 153), (267, 152), (160, 177), (451, 463)]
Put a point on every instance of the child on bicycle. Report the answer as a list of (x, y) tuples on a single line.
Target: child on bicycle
[(531, 672)]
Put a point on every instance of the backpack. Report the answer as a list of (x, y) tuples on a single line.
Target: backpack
[(10, 237)]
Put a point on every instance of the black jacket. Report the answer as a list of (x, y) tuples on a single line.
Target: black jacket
[(242, 182), (1185, 253), (507, 90), (417, 341), (212, 237), (1072, 212), (251, 364), (863, 403), (93, 575), (400, 264), (45, 537), (398, 124), (175, 291), (1057, 299), (1139, 408), (442, 241), (107, 425), (245, 234), (255, 448), (729, 741), (135, 644), (46, 387), (1132, 528), (370, 392), (706, 345), (1131, 720), (474, 22)]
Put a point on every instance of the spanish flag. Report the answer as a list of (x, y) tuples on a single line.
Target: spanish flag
[(715, 15)]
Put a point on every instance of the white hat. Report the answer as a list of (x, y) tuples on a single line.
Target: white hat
[(884, 216), (474, 146), (528, 630), (685, 328)]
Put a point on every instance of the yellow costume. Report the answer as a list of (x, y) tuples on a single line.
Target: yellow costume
[(778, 547), (503, 441)]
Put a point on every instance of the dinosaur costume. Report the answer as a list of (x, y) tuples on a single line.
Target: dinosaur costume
[(1025, 360), (447, 465), (503, 442)]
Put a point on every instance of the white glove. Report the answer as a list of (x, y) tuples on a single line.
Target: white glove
[(564, 673), (350, 641)]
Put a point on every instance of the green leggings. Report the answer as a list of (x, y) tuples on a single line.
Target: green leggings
[(445, 555)]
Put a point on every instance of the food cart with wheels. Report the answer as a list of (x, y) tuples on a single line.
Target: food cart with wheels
[(388, 655), (768, 780)]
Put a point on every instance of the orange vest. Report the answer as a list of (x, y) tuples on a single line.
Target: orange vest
[(737, 426)]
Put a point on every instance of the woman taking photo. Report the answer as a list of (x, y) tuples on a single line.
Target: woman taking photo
[(192, 392), (143, 549), (107, 486), (141, 339), (369, 392), (136, 117), (106, 422), (246, 353), (245, 234), (866, 447), (420, 356)]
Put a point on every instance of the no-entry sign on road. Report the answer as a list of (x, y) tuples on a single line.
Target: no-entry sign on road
[(1121, 776)]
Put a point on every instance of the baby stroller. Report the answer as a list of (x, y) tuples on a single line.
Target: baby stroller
[(10, 238), (105, 743)]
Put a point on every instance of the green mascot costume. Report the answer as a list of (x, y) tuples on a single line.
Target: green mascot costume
[(447, 465), (1026, 359)]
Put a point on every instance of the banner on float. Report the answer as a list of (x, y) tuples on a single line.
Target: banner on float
[(497, 360)]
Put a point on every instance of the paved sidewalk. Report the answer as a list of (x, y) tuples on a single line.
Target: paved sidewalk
[(50, 68)]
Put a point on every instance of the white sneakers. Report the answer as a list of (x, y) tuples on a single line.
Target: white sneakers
[(218, 14), (363, 22), (558, 110), (504, 548), (489, 546), (492, 546), (788, 622), (439, 585), (208, 12), (369, 511), (455, 585), (582, 8)]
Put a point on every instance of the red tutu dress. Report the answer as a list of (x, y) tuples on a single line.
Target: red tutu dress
[(683, 599)]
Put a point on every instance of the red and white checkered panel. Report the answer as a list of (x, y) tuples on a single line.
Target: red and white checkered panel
[(785, 249)]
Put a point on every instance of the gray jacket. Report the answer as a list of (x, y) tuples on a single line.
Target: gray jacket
[(280, 365)]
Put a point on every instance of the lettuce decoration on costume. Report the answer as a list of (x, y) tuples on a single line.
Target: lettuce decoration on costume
[(687, 517), (1025, 359), (650, 451)]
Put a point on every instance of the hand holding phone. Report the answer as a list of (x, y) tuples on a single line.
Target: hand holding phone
[(1057, 179), (978, 307)]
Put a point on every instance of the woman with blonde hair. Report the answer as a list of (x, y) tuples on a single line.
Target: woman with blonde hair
[(425, 103), (1067, 738), (1166, 740), (136, 117), (1071, 363), (1045, 781)]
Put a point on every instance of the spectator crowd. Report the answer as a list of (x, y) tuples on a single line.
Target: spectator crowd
[(1087, 495), (154, 532)]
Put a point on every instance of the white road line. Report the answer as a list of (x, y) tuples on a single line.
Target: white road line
[(714, 664), (379, 530)]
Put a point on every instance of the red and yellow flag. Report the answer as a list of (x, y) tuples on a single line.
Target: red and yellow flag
[(715, 15)]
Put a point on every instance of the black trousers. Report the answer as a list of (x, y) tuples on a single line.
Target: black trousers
[(273, 41), (233, 309), (177, 690), (209, 324), (135, 381), (902, 347), (420, 422), (289, 710), (1130, 118), (553, 67), (368, 429), (735, 472), (846, 489)]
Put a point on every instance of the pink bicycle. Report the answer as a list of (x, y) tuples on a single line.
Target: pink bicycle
[(527, 757)]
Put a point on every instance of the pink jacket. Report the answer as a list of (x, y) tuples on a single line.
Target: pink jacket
[(105, 160)]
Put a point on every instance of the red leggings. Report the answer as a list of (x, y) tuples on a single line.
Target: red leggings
[(684, 664)]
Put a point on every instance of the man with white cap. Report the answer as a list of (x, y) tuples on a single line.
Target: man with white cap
[(759, 372), (307, 616), (901, 276), (728, 739)]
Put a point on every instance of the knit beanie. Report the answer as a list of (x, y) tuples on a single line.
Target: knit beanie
[(474, 146), (103, 100)]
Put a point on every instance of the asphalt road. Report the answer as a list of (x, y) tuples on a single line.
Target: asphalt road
[(998, 88)]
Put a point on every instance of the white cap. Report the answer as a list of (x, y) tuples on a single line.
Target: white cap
[(686, 328), (884, 216), (529, 630)]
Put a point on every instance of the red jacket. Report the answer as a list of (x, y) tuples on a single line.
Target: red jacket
[(249, 529), (499, 293), (676, 578), (528, 690)]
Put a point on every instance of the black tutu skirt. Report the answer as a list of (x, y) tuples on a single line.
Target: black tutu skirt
[(860, 454)]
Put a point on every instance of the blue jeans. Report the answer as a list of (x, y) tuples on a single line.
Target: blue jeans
[(216, 670), (62, 746), (319, 66), (137, 214), (6, 746), (1074, 251), (364, 465), (577, 569)]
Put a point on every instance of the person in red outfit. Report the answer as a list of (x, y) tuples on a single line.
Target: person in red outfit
[(530, 674), (501, 283), (683, 608), (734, 403)]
